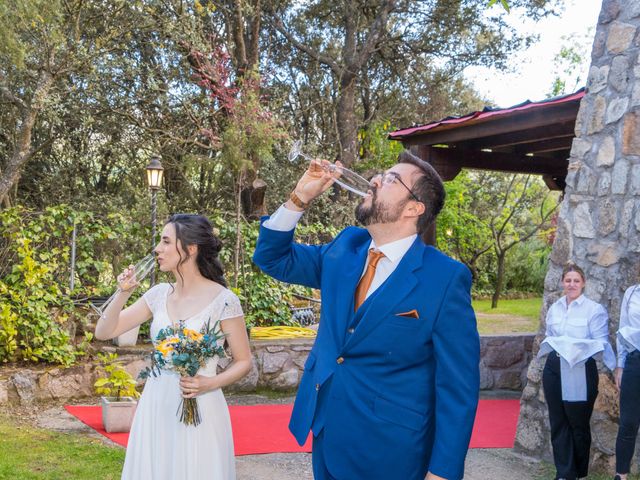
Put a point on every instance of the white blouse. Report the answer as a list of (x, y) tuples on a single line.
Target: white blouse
[(628, 337), (577, 332)]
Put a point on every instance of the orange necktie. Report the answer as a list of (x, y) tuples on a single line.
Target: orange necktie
[(367, 278)]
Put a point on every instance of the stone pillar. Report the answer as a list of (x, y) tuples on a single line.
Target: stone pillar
[(599, 219)]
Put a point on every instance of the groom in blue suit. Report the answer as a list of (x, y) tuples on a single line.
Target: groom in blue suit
[(390, 387)]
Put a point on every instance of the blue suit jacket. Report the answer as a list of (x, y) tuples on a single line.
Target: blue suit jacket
[(397, 396)]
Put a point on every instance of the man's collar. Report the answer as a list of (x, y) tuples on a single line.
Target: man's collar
[(395, 250)]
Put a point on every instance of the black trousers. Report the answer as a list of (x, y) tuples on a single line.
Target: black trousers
[(629, 412), (570, 430)]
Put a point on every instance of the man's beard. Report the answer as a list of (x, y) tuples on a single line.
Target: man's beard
[(377, 212)]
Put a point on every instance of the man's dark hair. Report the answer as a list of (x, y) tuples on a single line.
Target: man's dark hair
[(428, 188)]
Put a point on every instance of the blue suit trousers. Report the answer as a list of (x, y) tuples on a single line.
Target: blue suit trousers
[(320, 471)]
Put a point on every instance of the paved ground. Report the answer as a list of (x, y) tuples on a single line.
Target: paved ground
[(482, 464)]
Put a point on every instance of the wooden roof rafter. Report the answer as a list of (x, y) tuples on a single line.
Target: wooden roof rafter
[(532, 137)]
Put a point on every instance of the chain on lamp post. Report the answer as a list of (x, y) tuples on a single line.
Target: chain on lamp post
[(154, 180)]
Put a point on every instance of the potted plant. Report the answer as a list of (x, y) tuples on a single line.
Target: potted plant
[(119, 394)]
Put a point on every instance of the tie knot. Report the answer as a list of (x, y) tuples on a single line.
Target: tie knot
[(374, 257)]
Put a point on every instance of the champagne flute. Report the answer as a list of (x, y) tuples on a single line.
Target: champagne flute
[(141, 270), (347, 179)]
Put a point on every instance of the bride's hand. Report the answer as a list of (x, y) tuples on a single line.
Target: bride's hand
[(193, 386), (127, 281)]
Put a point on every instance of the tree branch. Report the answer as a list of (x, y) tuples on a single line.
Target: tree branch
[(18, 102), (324, 59), (374, 35), (22, 151)]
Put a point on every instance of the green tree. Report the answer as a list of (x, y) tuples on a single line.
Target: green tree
[(515, 208), (352, 44), (461, 230), (45, 45), (495, 224), (569, 63)]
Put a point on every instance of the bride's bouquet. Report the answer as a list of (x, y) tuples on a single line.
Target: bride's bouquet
[(185, 351)]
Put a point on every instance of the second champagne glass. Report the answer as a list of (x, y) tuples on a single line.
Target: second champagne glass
[(347, 179), (141, 270)]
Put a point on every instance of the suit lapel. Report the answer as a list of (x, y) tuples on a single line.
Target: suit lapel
[(382, 302)]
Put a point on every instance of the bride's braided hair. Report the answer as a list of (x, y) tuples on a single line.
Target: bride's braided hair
[(197, 230)]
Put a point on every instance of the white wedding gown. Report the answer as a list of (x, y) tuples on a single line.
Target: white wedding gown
[(160, 446)]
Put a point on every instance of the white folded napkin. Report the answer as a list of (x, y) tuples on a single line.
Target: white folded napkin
[(574, 352)]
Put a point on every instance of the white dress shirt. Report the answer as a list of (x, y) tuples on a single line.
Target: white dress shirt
[(577, 332), (628, 336), (285, 220)]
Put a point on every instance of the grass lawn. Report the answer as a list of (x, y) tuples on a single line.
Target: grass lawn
[(511, 316), (550, 471), (27, 453)]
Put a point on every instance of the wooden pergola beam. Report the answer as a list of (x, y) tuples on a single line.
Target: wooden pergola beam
[(548, 132), (550, 145), (449, 161), (552, 115)]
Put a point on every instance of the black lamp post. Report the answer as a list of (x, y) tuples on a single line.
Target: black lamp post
[(154, 180)]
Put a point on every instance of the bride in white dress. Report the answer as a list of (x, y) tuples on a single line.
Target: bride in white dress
[(160, 446)]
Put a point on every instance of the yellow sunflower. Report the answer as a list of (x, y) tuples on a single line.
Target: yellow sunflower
[(165, 347), (192, 334)]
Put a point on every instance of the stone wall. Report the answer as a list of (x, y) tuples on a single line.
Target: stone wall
[(277, 365), (599, 219), (504, 360), (25, 386)]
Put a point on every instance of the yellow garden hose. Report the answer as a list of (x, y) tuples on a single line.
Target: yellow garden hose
[(273, 333)]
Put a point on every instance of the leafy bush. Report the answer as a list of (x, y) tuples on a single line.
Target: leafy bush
[(36, 303), (527, 266), (36, 306), (265, 301), (116, 382), (33, 312), (105, 243)]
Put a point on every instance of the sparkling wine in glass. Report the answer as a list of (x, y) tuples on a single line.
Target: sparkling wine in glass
[(347, 179), (141, 270)]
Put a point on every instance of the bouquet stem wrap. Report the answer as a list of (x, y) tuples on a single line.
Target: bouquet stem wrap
[(188, 412)]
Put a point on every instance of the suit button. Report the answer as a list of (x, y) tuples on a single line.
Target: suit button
[(351, 330), (340, 360), (317, 387)]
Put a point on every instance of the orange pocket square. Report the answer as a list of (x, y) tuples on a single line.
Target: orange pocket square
[(410, 314)]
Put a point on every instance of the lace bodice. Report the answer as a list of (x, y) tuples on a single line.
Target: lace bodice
[(225, 305)]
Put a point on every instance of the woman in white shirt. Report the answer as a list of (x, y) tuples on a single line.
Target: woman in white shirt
[(628, 380), (577, 329)]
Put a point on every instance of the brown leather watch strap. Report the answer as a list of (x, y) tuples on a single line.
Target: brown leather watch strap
[(297, 202)]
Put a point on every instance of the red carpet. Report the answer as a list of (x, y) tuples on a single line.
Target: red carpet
[(495, 425), (264, 428)]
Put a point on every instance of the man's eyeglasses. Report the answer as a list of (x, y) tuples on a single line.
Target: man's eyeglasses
[(391, 177)]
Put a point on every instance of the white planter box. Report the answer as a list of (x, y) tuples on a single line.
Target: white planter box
[(117, 414)]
